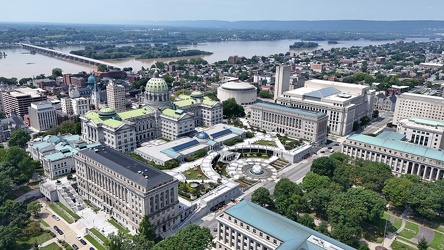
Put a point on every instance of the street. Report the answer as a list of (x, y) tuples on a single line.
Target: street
[(68, 234), (380, 123)]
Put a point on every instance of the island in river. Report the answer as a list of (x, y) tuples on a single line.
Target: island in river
[(140, 51), (304, 45)]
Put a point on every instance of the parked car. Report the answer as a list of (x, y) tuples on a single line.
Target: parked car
[(56, 228), (55, 217), (82, 241), (92, 248), (60, 232), (75, 247), (78, 237)]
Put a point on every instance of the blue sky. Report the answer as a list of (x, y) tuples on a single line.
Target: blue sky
[(117, 11)]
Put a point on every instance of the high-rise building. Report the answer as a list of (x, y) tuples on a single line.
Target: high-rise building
[(282, 81), (42, 116), (19, 100), (127, 189), (115, 95), (419, 106)]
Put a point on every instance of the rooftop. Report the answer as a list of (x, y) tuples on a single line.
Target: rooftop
[(293, 234), (127, 166), (391, 135), (400, 146), (290, 110), (426, 122), (115, 123), (238, 85), (421, 97), (186, 100)]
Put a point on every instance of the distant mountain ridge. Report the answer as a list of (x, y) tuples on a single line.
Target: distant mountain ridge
[(421, 26)]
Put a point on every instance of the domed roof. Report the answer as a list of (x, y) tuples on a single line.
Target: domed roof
[(197, 94), (107, 112), (238, 86), (91, 79), (156, 85), (202, 135)]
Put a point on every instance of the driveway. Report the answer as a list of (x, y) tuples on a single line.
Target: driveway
[(68, 234)]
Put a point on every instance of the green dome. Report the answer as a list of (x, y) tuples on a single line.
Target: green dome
[(107, 112), (197, 94), (157, 85)]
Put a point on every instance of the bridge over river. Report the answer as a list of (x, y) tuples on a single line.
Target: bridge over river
[(55, 53)]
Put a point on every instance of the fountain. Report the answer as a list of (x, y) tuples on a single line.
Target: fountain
[(257, 170)]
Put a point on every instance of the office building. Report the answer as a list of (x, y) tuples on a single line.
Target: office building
[(116, 96), (343, 103), (423, 132), (419, 106), (127, 189), (19, 100), (248, 226), (402, 157), (292, 122), (282, 81), (42, 116)]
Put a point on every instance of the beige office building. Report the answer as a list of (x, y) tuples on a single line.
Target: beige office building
[(127, 189), (42, 116), (115, 95), (423, 132), (293, 122), (419, 106)]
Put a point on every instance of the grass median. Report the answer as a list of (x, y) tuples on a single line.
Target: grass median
[(118, 226), (61, 213), (74, 215)]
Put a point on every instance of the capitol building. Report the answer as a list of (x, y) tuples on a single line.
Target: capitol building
[(159, 117)]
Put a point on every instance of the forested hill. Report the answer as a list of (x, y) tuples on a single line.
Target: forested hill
[(407, 27)]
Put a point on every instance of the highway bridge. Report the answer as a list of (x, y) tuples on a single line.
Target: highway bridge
[(55, 53)]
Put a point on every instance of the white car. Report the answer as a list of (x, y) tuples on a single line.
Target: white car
[(78, 237)]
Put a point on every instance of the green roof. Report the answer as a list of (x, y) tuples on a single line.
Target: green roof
[(391, 135), (400, 146), (156, 85), (293, 234), (171, 112), (134, 113), (290, 110), (427, 122)]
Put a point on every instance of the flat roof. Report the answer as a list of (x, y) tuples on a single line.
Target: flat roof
[(127, 166), (391, 135), (322, 93), (426, 121), (186, 100), (290, 110), (408, 95), (400, 146), (293, 234)]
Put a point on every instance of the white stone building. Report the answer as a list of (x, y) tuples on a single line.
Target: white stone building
[(343, 103), (420, 106), (115, 95), (423, 132), (127, 189), (402, 157), (293, 122), (243, 92), (282, 81), (248, 226), (42, 116)]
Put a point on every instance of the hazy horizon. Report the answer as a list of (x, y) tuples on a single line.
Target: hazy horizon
[(133, 11)]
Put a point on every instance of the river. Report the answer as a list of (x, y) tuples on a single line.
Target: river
[(20, 63)]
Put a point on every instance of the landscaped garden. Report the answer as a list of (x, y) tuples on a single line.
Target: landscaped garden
[(95, 243), (289, 143), (74, 215), (410, 230), (195, 173), (194, 190), (265, 143), (118, 226), (396, 245)]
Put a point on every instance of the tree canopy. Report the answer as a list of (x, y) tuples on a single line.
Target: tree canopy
[(262, 197), (231, 109), (19, 137)]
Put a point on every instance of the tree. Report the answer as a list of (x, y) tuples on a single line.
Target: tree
[(323, 228), (57, 72), (396, 190), (182, 92), (285, 187), (323, 166), (34, 208), (261, 196), (375, 113), (19, 137), (102, 68), (307, 221), (193, 237), (231, 109), (265, 94), (146, 229), (423, 244), (370, 175)]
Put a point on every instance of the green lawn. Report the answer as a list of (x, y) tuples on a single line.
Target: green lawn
[(28, 243), (265, 143), (396, 245), (194, 174), (74, 215), (94, 242), (118, 226), (60, 213), (441, 229), (410, 230), (438, 241), (52, 246), (44, 223), (397, 224), (99, 235)]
